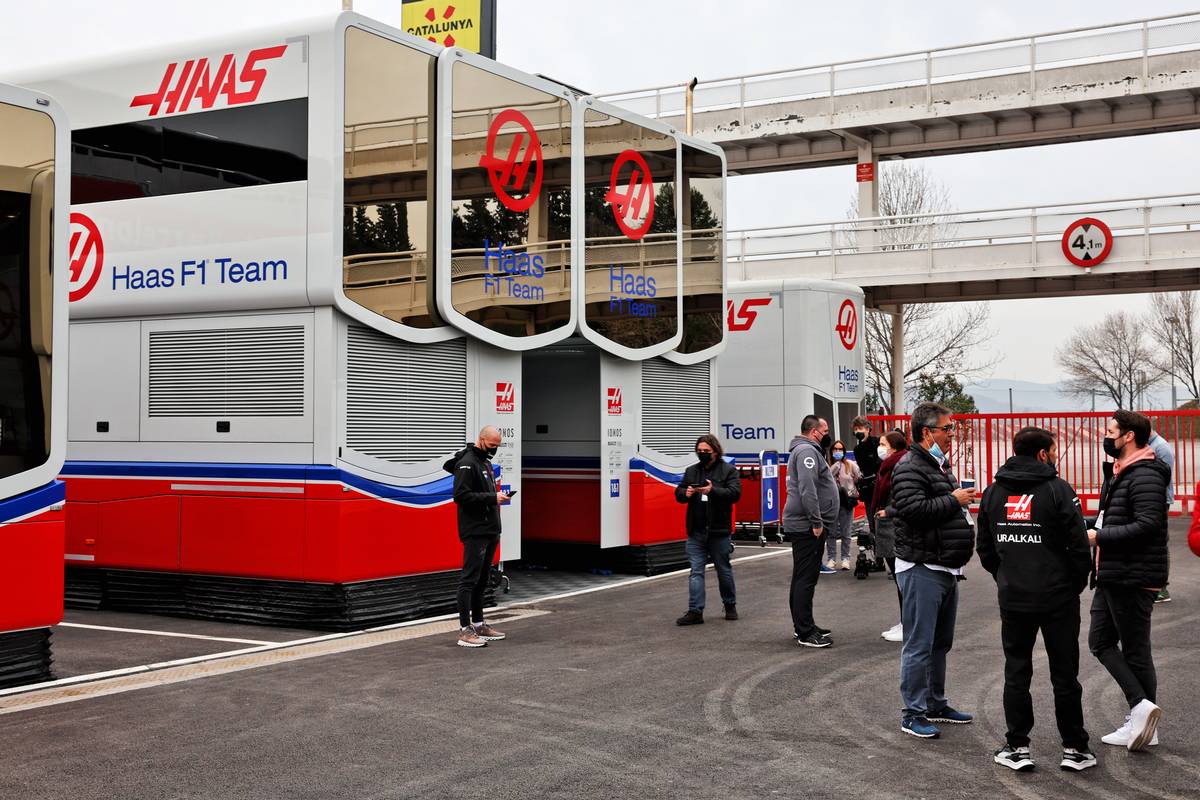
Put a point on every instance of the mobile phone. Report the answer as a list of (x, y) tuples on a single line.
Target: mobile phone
[(511, 494)]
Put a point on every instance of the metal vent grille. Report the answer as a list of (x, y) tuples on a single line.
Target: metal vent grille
[(405, 402), (676, 405), (227, 372)]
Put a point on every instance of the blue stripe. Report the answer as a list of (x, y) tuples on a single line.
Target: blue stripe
[(430, 493), (29, 502), (672, 478)]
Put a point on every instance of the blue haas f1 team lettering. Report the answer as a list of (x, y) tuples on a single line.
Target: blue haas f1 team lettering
[(1032, 537)]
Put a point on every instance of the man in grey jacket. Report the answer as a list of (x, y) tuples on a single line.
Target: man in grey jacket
[(811, 509)]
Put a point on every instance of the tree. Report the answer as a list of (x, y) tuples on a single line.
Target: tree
[(1172, 326), (1110, 358), (945, 390), (944, 340), (947, 341)]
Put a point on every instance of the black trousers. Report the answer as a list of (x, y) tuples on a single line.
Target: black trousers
[(478, 554), (806, 569), (891, 564), (1121, 616), (1060, 635)]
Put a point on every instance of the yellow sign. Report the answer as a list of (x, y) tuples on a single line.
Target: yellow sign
[(452, 23)]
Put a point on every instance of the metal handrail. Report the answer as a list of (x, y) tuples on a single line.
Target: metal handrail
[(928, 55)]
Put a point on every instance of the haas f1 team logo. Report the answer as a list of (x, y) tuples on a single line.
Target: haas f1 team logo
[(741, 318), (505, 398), (86, 254), (614, 400), (1020, 507), (206, 81)]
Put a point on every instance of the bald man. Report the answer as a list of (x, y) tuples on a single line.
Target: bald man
[(478, 499)]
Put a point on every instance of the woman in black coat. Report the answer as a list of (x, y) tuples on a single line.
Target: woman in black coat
[(710, 488)]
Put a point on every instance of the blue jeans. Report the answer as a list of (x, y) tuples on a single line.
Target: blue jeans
[(929, 604), (698, 552)]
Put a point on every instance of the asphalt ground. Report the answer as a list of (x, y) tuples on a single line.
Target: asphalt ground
[(604, 697)]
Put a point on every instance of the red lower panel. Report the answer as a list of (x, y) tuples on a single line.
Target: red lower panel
[(249, 536), (31, 572), (561, 510), (363, 538), (137, 534), (654, 514)]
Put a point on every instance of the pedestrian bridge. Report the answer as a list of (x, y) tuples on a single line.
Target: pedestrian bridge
[(1088, 83), (993, 254)]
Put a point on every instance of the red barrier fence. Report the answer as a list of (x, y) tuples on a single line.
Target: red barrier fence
[(983, 442)]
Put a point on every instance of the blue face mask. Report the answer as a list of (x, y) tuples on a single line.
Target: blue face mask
[(936, 452), (838, 455)]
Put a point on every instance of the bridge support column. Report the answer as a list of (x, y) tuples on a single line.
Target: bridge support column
[(898, 359), (868, 195)]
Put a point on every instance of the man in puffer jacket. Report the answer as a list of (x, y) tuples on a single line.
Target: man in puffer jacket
[(1130, 538), (1033, 540), (934, 539)]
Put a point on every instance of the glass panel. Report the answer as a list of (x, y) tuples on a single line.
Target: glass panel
[(703, 245), (209, 150), (510, 240), (386, 226), (630, 245), (26, 287)]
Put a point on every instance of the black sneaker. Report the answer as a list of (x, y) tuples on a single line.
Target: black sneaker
[(814, 640), (823, 631), (1077, 760), (1017, 758), (731, 611), (692, 617)]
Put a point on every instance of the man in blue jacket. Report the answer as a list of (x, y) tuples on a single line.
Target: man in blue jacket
[(1033, 540)]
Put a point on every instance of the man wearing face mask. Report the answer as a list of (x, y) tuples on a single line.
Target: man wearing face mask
[(811, 510), (478, 500), (934, 540), (1130, 567), (1033, 541), (866, 456), (709, 487)]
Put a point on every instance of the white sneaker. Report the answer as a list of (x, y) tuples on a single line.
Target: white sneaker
[(845, 563), (1120, 737), (894, 633), (1143, 724), (831, 564)]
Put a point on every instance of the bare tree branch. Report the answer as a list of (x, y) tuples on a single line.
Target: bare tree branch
[(1111, 358), (1172, 326)]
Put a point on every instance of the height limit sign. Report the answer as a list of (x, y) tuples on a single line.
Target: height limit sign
[(1087, 242)]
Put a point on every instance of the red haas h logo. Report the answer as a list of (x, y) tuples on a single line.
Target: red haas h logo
[(204, 80), (505, 402), (510, 173), (745, 315), (1020, 507), (633, 209), (614, 400)]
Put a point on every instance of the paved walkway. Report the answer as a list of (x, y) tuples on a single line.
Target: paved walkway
[(604, 697)]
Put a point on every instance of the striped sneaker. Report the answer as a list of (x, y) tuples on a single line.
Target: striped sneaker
[(1017, 758), (1077, 760)]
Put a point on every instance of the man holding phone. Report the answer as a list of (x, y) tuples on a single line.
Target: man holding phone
[(934, 540), (710, 487), (478, 497)]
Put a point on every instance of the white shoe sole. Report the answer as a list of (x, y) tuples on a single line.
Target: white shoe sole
[(461, 643), (911, 732), (1076, 766), (1146, 735), (1024, 765)]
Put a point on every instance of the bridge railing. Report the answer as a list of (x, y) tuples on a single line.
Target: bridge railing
[(983, 442), (1130, 217), (1141, 38)]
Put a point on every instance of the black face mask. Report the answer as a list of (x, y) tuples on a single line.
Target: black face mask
[(705, 458), (1110, 447), (859, 435), (826, 442), (491, 452)]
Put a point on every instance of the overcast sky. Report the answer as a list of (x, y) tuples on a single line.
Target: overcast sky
[(625, 44)]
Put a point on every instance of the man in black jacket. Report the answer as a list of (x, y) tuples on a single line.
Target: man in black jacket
[(1130, 537), (934, 540), (710, 487), (478, 500), (1033, 540)]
